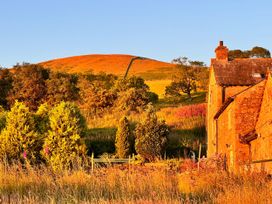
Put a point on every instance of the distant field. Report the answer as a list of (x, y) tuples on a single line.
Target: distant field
[(158, 86), (112, 64)]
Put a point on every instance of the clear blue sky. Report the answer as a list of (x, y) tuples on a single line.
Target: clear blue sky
[(36, 30)]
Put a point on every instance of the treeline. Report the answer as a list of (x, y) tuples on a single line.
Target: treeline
[(34, 85), (255, 52)]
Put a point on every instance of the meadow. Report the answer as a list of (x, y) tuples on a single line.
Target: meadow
[(171, 181)]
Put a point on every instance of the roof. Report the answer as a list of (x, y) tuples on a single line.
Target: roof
[(241, 72), (229, 100)]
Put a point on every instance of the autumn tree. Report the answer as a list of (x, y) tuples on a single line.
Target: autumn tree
[(28, 85), (5, 86), (151, 136), (122, 145), (94, 98), (61, 87)]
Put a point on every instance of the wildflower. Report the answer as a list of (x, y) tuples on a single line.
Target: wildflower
[(46, 150), (24, 155)]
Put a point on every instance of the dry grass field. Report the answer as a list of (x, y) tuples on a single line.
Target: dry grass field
[(111, 64), (167, 182), (158, 86)]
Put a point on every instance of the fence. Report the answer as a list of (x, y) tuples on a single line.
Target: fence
[(106, 160)]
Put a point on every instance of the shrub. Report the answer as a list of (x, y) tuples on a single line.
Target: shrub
[(191, 111), (19, 140), (42, 118), (151, 136), (62, 143), (2, 118), (122, 139)]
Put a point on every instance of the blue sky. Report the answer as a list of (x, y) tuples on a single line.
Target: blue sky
[(36, 30)]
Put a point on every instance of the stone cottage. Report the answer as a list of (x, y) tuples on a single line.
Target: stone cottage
[(239, 118)]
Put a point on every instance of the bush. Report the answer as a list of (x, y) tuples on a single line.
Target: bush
[(42, 118), (122, 139), (62, 144), (191, 111), (151, 136), (19, 139), (2, 118)]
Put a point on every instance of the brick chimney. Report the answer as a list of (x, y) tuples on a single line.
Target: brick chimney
[(221, 52)]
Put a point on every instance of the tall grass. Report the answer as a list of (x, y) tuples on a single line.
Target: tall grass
[(134, 184)]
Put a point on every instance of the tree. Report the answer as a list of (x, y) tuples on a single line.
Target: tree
[(122, 145), (151, 136), (133, 94), (93, 98), (62, 144), (185, 81), (255, 52), (61, 87), (238, 54), (5, 86), (260, 52), (132, 100), (28, 85), (190, 76), (19, 139), (131, 82)]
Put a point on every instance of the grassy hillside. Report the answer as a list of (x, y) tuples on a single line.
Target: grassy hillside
[(117, 64)]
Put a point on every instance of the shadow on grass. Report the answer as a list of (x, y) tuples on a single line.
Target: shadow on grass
[(179, 140), (198, 97), (100, 140)]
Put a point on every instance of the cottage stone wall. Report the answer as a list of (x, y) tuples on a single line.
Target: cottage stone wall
[(261, 148)]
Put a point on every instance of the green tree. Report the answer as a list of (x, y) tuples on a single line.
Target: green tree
[(238, 54), (123, 133), (184, 81), (62, 144), (151, 136), (190, 75), (255, 52), (19, 139)]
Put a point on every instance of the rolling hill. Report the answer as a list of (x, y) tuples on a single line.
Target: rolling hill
[(117, 64), (156, 73)]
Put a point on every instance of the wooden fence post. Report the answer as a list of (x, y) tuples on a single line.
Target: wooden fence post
[(199, 155), (92, 160)]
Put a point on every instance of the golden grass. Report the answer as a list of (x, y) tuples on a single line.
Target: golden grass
[(113, 64), (158, 86), (134, 184)]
